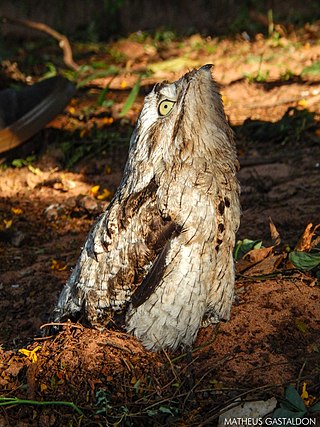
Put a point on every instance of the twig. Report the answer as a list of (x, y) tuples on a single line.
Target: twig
[(171, 366), (9, 401), (73, 325), (192, 390), (300, 374), (43, 338), (200, 347), (44, 28), (115, 345)]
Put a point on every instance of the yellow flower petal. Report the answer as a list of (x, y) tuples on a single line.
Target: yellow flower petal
[(7, 223), (303, 102), (16, 211), (31, 354), (306, 397), (304, 394), (57, 265), (106, 194), (108, 120), (95, 190), (25, 352), (43, 387)]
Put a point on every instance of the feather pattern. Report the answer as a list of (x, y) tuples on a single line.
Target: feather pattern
[(160, 256)]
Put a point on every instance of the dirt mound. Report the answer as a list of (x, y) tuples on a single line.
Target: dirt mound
[(269, 341)]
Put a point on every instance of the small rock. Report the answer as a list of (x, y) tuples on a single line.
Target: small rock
[(247, 411), (88, 203), (53, 211)]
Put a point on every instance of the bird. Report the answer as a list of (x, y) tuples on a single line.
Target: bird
[(158, 262)]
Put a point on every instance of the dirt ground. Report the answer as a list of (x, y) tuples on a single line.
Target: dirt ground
[(47, 208)]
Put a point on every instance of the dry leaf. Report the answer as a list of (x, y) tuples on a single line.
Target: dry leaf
[(304, 243), (275, 235), (266, 266), (7, 223), (257, 255), (95, 190), (107, 120), (242, 265), (306, 397), (16, 211), (106, 194), (43, 387), (58, 265), (303, 102)]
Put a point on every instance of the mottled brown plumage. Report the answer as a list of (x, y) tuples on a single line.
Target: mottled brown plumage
[(159, 259)]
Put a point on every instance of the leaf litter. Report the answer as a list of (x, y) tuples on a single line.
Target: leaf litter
[(272, 339)]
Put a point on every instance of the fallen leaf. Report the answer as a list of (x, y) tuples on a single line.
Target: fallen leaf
[(275, 235), (242, 265), (107, 120), (106, 194), (257, 255), (7, 223), (266, 266), (303, 103), (244, 246), (35, 171), (306, 397), (95, 189), (57, 265), (31, 354), (43, 387), (304, 243), (16, 211)]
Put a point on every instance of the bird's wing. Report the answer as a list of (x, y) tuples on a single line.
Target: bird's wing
[(122, 260)]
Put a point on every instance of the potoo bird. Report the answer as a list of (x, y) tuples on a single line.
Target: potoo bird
[(159, 260)]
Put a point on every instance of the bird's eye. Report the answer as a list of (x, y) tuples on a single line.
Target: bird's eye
[(165, 107)]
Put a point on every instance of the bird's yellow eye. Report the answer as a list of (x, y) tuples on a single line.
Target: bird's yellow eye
[(165, 107)]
